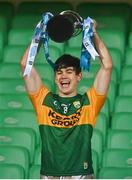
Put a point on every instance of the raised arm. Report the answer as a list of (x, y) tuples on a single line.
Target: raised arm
[(33, 82), (102, 79)]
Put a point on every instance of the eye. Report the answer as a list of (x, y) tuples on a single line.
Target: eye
[(58, 72), (70, 71)]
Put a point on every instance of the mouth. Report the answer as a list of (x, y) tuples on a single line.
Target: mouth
[(65, 83)]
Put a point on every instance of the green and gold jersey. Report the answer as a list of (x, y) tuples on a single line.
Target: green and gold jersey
[(66, 126)]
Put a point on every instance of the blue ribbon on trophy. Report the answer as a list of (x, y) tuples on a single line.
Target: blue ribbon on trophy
[(60, 28)]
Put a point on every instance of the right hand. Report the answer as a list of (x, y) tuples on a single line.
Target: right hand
[(94, 26)]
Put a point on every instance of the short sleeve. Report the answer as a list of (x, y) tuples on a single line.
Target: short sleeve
[(96, 103), (38, 97)]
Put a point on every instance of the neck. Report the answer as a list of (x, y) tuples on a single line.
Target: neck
[(67, 94)]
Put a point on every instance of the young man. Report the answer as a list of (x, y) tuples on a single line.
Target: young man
[(66, 120)]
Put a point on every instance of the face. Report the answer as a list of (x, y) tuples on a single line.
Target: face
[(67, 80)]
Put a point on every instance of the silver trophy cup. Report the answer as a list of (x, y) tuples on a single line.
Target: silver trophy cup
[(62, 27)]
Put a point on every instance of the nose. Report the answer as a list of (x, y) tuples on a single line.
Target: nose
[(63, 75)]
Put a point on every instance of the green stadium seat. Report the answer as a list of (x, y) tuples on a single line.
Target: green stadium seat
[(60, 46), (123, 104), (119, 38), (125, 74), (41, 7), (130, 40), (12, 86), (20, 118), (74, 51), (128, 57), (25, 21), (104, 9), (16, 86), (130, 26), (121, 121), (20, 36), (125, 88), (15, 101), (94, 69), (117, 60), (24, 37), (114, 76), (115, 173), (37, 156), (106, 109), (84, 85), (14, 155), (54, 51), (22, 137), (115, 53), (117, 158), (1, 45), (7, 10), (108, 22), (34, 172), (13, 53), (10, 71), (119, 139), (4, 27), (97, 143), (95, 162), (102, 126), (75, 41), (13, 71), (46, 72), (3, 33), (49, 84), (111, 95), (11, 171)]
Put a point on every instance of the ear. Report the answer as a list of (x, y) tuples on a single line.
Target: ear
[(80, 76), (55, 79)]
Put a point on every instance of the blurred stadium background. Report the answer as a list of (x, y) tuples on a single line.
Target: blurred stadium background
[(19, 136)]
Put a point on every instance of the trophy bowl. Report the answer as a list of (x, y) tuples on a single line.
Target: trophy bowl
[(62, 27)]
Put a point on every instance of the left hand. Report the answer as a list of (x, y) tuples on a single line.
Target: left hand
[(94, 26)]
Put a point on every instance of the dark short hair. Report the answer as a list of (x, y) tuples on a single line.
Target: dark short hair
[(67, 60)]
